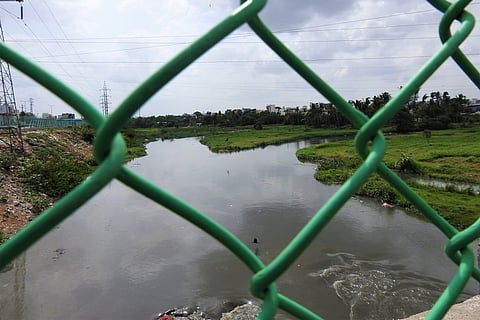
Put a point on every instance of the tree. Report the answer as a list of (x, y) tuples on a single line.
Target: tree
[(403, 121), (258, 126)]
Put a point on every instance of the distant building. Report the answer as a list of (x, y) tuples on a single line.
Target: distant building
[(66, 116), (271, 108), (474, 105), (291, 110)]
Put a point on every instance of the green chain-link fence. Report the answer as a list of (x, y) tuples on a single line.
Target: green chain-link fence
[(109, 149)]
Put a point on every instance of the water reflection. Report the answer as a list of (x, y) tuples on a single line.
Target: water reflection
[(460, 186), (12, 282), (125, 257)]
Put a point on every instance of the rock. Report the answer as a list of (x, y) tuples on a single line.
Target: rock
[(186, 313), (467, 310), (247, 311), (244, 312)]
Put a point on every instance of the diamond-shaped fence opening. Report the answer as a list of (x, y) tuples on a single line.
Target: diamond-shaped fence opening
[(370, 144)]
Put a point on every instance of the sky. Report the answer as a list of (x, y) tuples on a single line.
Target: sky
[(360, 47)]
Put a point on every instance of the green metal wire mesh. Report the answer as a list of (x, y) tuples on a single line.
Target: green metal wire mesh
[(109, 148)]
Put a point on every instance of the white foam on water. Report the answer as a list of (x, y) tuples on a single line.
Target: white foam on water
[(378, 290)]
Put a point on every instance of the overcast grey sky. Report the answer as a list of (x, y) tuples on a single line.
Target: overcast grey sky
[(361, 48)]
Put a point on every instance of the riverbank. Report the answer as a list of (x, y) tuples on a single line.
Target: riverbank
[(227, 139), (450, 155), (266, 196), (249, 138), (453, 156), (53, 163)]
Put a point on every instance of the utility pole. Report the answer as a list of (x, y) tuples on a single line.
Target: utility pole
[(105, 99), (10, 128)]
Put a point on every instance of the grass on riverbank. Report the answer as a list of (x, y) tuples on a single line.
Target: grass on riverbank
[(225, 139), (448, 154), (452, 155), (136, 139), (247, 138)]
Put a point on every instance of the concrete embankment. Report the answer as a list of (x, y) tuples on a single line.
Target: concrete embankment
[(467, 310)]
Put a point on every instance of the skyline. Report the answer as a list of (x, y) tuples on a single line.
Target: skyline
[(361, 48)]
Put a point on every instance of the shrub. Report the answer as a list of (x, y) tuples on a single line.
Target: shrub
[(378, 188), (87, 133), (408, 165), (8, 160), (38, 203), (258, 126), (54, 173)]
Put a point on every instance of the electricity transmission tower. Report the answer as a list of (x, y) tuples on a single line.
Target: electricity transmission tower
[(105, 99), (10, 129)]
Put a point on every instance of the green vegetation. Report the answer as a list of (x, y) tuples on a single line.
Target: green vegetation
[(429, 112), (451, 155), (53, 173), (56, 165), (225, 139), (8, 160), (248, 138), (136, 139)]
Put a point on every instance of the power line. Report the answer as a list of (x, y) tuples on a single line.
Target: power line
[(78, 54), (78, 70), (61, 30), (311, 60), (127, 40), (357, 20), (156, 44)]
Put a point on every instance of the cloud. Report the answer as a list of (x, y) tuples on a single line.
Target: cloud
[(361, 48), (280, 15)]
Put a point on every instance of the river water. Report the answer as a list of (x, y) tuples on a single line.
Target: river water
[(121, 256)]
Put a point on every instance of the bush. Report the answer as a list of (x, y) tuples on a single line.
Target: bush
[(38, 203), (257, 126), (379, 189), (87, 133), (53, 173), (407, 165), (8, 160)]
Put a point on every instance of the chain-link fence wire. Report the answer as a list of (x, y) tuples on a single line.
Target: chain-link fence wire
[(109, 149)]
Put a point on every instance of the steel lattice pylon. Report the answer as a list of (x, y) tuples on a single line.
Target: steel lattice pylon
[(10, 129)]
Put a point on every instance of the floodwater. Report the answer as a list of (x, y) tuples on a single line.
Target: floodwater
[(122, 256)]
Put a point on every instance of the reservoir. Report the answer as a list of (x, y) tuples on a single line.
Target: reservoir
[(121, 256)]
